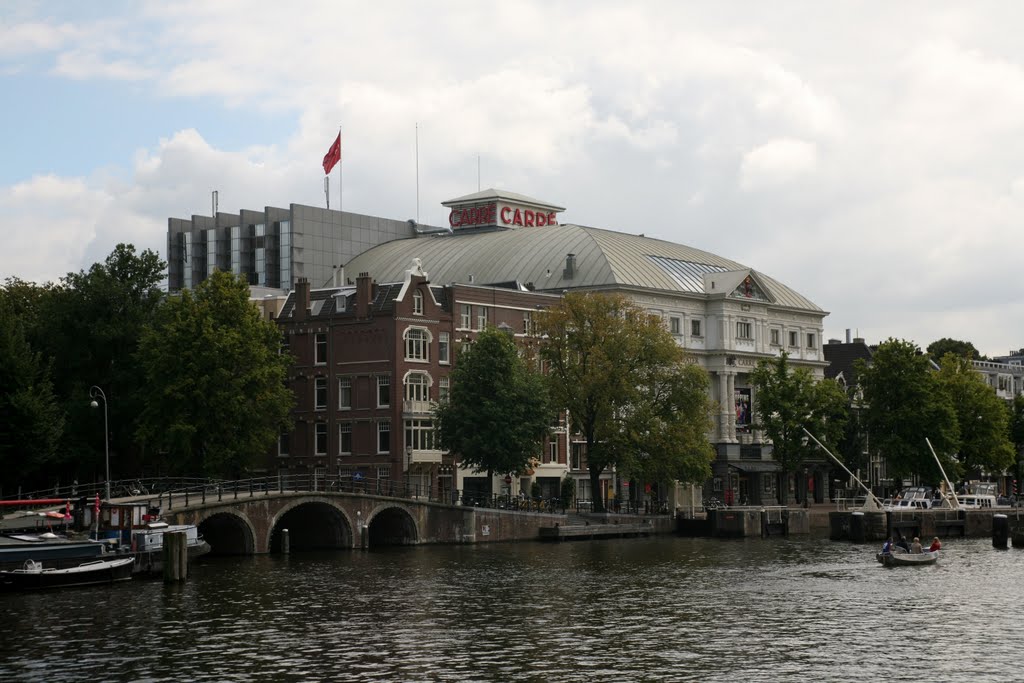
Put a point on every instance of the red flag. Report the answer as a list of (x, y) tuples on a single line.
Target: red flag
[(333, 155)]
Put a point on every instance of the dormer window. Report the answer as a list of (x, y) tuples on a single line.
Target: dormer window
[(417, 302)]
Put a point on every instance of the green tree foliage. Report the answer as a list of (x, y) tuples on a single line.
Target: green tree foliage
[(90, 325), (904, 405), (628, 388), (963, 349), (498, 411), (789, 400), (216, 398), (982, 416), (1016, 430), (31, 422), (567, 492)]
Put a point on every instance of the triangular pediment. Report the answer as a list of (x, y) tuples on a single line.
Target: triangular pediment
[(738, 284)]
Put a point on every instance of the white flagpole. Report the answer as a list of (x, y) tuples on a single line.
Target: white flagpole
[(339, 170)]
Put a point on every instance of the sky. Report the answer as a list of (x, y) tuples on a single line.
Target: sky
[(869, 155)]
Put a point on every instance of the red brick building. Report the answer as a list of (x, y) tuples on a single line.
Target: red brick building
[(371, 360)]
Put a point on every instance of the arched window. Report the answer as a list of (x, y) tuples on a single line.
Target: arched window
[(417, 344), (417, 386)]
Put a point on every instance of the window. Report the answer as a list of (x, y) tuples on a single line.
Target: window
[(553, 451), (695, 328), (345, 438), (417, 387), (794, 339), (345, 393), (320, 393), (577, 456), (466, 319), (384, 472), (774, 337), (284, 443), (416, 344), (443, 348), (417, 302), (675, 325), (810, 340), (419, 435), (443, 389), (481, 317), (743, 330), (383, 391), (384, 436), (527, 322), (321, 348), (321, 438)]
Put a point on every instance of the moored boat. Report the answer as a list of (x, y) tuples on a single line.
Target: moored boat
[(148, 544), (33, 576)]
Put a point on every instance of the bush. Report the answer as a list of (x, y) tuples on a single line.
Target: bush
[(568, 492), (535, 490)]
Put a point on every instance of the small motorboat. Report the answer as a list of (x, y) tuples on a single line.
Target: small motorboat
[(34, 576), (901, 558)]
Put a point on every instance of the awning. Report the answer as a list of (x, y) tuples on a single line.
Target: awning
[(753, 466)]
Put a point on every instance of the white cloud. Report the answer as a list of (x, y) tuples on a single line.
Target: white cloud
[(871, 164), (777, 163)]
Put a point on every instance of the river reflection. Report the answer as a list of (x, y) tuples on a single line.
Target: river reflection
[(655, 609)]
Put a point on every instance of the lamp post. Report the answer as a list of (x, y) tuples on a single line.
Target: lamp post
[(95, 392)]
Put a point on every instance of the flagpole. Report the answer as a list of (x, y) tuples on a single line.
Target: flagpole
[(339, 171)]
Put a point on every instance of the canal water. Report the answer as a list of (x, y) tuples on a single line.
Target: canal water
[(657, 609)]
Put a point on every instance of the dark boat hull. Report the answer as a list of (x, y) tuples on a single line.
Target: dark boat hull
[(87, 574)]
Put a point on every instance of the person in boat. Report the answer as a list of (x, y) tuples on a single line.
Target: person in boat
[(915, 547), (936, 545), (902, 543), (887, 546)]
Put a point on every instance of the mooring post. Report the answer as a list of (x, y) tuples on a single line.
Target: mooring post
[(285, 542), (175, 554), (1000, 531)]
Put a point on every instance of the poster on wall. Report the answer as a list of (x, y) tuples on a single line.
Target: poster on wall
[(741, 398)]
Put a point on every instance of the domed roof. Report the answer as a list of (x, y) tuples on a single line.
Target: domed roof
[(603, 259)]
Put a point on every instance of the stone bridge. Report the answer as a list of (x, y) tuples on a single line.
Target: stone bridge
[(328, 520)]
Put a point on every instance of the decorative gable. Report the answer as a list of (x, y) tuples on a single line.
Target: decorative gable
[(749, 289), (737, 284)]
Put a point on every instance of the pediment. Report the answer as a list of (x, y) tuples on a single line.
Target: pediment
[(737, 284)]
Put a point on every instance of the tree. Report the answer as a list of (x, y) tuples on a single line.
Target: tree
[(904, 405), (31, 422), (982, 417), (963, 349), (790, 400), (217, 398), (1016, 431), (498, 412), (628, 389), (90, 325)]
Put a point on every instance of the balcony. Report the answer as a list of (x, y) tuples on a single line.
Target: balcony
[(421, 457), (417, 407)]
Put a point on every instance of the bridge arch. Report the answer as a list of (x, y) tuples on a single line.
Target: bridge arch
[(228, 532), (391, 524), (313, 524)]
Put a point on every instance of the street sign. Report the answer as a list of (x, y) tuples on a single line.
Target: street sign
[(357, 476), (508, 479)]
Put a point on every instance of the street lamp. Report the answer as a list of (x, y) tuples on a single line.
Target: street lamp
[(95, 392)]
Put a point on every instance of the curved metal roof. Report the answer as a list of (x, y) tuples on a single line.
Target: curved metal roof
[(603, 259)]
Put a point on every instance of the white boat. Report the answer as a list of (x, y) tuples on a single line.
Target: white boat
[(899, 557), (148, 544)]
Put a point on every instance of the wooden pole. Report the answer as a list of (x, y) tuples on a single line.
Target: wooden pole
[(175, 556)]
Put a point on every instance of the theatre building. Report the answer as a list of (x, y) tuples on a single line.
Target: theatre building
[(374, 350)]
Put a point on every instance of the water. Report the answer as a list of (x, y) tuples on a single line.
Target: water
[(660, 609)]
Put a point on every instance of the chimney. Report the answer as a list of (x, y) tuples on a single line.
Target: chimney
[(847, 335), (301, 299), (570, 267), (364, 295)]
